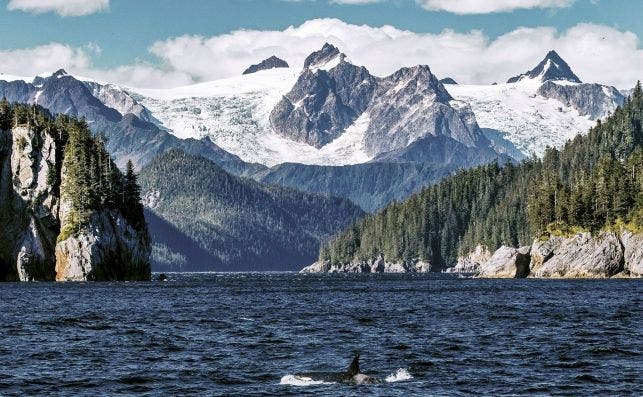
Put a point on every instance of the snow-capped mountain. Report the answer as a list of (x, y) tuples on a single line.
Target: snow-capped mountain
[(331, 113), (112, 112), (553, 67), (544, 107)]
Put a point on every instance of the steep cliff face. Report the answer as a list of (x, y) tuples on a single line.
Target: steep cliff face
[(28, 204), (31, 174), (107, 248)]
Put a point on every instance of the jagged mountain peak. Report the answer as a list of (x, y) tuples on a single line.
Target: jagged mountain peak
[(60, 73), (326, 58), (269, 63), (552, 67), (420, 79)]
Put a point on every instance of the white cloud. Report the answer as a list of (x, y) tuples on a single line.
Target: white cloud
[(490, 6), (65, 8), (472, 57), (596, 53), (356, 2), (45, 58)]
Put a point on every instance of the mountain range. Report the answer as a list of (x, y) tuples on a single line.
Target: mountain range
[(331, 128)]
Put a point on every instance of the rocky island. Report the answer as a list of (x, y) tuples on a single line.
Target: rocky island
[(67, 213)]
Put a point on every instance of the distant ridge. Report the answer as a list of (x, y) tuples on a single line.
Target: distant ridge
[(270, 63)]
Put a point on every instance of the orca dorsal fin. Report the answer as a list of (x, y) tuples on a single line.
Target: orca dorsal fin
[(353, 369)]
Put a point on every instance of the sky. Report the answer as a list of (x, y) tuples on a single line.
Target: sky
[(167, 43)]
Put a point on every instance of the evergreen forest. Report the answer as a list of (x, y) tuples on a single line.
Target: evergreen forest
[(593, 183)]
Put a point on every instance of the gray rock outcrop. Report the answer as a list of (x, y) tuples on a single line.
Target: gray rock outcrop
[(328, 96), (267, 64), (28, 204), (107, 248), (582, 256), (632, 253), (377, 265), (593, 100), (448, 81), (605, 255), (331, 94), (507, 262), (471, 262)]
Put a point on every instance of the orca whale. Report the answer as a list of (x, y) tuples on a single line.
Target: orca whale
[(351, 375)]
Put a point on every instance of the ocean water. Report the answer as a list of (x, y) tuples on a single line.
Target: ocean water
[(250, 334)]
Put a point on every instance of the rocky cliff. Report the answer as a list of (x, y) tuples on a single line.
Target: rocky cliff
[(607, 254), (106, 246)]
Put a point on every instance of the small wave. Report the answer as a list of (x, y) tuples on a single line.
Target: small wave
[(399, 375), (294, 380)]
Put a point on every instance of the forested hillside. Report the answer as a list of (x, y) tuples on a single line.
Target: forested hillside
[(594, 182), (203, 218)]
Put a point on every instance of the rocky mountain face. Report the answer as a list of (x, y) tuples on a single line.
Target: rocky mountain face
[(267, 64), (553, 67), (331, 94), (582, 255), (592, 100), (412, 104), (129, 136), (33, 213)]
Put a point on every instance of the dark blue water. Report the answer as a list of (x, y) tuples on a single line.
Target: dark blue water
[(240, 334)]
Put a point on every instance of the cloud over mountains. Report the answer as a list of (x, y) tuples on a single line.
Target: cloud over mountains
[(469, 57)]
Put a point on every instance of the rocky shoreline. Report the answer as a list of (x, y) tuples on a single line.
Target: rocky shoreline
[(582, 255), (377, 265)]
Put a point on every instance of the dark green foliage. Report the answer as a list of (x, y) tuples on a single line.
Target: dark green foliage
[(594, 182), (207, 219), (92, 180)]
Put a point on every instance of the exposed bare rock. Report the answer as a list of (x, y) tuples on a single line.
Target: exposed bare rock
[(267, 64), (28, 204), (507, 262), (377, 265), (633, 253), (471, 262), (593, 100), (580, 256), (107, 248)]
